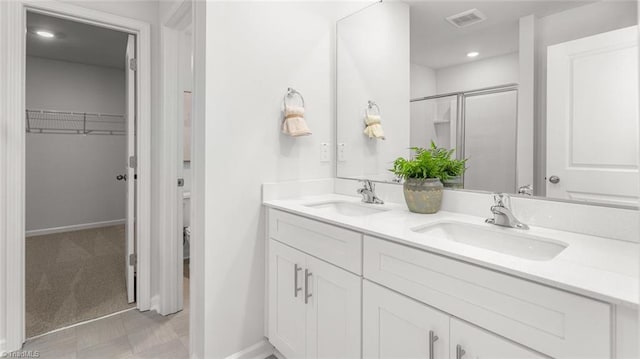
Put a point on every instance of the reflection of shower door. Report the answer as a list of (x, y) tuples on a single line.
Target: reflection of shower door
[(434, 119), (490, 140)]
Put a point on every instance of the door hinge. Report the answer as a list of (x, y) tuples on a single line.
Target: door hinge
[(133, 162), (133, 64), (180, 182), (133, 259)]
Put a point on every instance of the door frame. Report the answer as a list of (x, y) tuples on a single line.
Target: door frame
[(170, 282), (12, 177)]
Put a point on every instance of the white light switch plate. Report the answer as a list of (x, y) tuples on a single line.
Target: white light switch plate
[(324, 152)]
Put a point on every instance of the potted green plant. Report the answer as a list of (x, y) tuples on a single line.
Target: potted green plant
[(423, 176)]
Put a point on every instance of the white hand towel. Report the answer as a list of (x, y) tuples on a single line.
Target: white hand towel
[(294, 124), (374, 128)]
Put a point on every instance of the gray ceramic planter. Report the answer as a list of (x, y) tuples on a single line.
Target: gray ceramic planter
[(423, 195), (454, 182)]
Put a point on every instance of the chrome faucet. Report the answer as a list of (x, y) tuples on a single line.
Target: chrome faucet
[(526, 190), (502, 215), (368, 193)]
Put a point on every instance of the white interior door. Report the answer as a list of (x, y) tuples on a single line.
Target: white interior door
[(130, 164), (592, 118)]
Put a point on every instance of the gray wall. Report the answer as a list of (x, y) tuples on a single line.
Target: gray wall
[(71, 179)]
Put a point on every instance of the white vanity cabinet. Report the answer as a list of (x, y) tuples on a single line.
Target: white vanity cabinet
[(395, 326), (551, 321), (337, 293), (314, 307)]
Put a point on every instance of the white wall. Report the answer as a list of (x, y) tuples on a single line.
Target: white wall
[(254, 51), (373, 58), (71, 179), (494, 71), (565, 26)]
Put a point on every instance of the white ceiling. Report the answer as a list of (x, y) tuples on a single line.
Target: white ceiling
[(75, 42), (436, 43)]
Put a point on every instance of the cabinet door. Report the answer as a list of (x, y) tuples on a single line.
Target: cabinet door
[(395, 326), (333, 311), (475, 343), (286, 300)]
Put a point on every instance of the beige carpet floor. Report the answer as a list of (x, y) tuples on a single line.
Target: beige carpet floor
[(74, 276)]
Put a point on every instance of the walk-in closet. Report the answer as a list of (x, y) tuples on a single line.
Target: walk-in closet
[(76, 173)]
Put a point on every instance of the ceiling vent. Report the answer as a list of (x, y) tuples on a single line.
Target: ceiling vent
[(466, 18)]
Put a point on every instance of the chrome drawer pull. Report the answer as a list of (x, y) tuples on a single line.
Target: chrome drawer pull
[(307, 295), (432, 340), (296, 269)]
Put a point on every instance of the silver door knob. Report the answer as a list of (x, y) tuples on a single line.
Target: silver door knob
[(554, 179)]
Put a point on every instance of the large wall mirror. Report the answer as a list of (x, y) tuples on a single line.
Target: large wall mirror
[(540, 96)]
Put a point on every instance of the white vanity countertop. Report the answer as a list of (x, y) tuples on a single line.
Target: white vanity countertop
[(600, 268)]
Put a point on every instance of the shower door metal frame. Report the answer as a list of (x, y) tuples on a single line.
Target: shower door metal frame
[(461, 97)]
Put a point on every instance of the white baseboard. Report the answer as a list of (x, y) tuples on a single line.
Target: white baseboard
[(75, 227), (259, 350)]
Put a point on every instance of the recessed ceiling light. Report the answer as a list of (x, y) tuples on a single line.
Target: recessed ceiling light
[(473, 54), (46, 34)]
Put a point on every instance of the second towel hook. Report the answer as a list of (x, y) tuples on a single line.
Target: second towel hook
[(372, 105), (292, 92)]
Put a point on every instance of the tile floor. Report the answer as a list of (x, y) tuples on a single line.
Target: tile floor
[(131, 334)]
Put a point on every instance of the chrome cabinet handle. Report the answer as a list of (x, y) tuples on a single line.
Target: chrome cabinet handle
[(307, 295), (432, 339), (460, 352), (296, 269), (554, 179)]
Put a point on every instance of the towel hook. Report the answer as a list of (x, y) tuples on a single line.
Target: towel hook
[(370, 106), (291, 92)]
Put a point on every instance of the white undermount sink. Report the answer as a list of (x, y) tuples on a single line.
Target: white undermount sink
[(509, 241), (350, 209)]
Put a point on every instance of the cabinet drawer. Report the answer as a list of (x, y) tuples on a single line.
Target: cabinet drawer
[(335, 245), (478, 343), (551, 321)]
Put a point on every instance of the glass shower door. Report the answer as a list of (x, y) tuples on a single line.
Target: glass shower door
[(490, 120)]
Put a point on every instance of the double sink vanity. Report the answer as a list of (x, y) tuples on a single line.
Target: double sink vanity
[(346, 279), (551, 273)]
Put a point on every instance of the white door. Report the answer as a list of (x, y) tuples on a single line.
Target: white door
[(395, 326), (474, 343), (130, 76), (286, 300), (592, 118), (333, 311)]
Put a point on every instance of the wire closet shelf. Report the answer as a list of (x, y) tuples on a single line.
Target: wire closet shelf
[(82, 123)]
